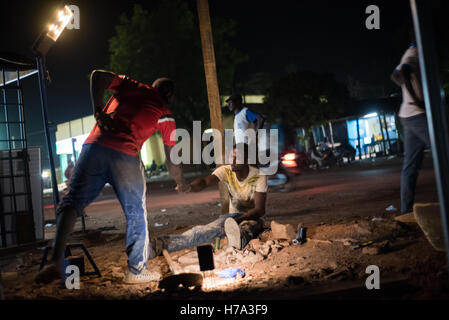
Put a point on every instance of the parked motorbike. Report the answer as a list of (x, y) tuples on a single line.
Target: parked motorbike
[(325, 157), (346, 152)]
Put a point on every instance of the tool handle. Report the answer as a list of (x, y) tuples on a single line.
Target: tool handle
[(171, 263)]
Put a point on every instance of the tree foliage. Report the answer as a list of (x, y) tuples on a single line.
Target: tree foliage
[(165, 42), (307, 98)]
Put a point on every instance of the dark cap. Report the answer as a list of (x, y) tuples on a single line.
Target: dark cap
[(235, 97)]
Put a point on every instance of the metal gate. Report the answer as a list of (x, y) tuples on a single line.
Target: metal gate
[(16, 210)]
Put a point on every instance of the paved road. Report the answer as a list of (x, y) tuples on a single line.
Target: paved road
[(359, 189)]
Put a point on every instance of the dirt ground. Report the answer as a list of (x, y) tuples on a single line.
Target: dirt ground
[(347, 225)]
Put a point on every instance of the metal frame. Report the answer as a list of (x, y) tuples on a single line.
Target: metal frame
[(42, 72), (17, 151), (436, 109)]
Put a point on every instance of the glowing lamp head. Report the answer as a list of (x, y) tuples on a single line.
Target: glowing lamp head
[(63, 18)]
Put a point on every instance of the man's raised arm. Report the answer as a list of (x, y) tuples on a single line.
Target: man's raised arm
[(100, 81)]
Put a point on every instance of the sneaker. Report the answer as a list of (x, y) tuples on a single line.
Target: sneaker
[(48, 274), (233, 234), (143, 277)]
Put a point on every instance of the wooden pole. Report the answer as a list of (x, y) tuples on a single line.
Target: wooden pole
[(213, 94)]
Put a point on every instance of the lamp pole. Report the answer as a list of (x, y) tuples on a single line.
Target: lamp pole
[(43, 90), (40, 48)]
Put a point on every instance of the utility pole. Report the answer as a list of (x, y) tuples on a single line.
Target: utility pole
[(213, 94)]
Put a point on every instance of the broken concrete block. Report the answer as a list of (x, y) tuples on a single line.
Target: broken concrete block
[(284, 243), (254, 245), (429, 219), (371, 251), (282, 231), (189, 258), (406, 218), (193, 268), (265, 250)]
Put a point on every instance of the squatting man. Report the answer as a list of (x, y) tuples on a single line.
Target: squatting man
[(247, 189)]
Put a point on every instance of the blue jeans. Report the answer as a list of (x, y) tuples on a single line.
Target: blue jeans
[(416, 139), (98, 165), (208, 233)]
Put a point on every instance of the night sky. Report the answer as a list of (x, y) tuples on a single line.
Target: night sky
[(323, 36)]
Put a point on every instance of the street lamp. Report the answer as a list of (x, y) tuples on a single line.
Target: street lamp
[(40, 48)]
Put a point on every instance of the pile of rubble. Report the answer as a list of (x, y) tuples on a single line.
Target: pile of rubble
[(257, 250)]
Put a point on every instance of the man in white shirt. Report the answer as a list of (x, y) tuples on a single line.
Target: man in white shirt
[(246, 120), (414, 121), (247, 192)]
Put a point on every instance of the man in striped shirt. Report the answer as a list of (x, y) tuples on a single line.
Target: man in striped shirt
[(111, 155)]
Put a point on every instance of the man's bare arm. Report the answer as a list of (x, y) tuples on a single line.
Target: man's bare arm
[(202, 183), (176, 171), (100, 80), (260, 199)]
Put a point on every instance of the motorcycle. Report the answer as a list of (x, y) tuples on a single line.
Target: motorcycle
[(325, 157), (287, 170)]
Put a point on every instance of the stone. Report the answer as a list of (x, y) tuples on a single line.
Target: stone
[(189, 258), (193, 268), (265, 250), (254, 244), (371, 250), (428, 217), (282, 231), (284, 243), (269, 243)]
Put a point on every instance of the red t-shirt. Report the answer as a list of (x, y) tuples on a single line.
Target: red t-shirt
[(140, 111)]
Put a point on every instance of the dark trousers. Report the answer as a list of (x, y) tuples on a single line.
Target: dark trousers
[(416, 139)]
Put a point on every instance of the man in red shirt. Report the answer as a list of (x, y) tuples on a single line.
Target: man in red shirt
[(111, 155)]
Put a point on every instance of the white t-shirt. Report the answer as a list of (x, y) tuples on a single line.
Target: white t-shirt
[(241, 124), (241, 193), (408, 106)]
